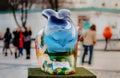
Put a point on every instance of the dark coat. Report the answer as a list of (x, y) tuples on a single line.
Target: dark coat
[(27, 39), (7, 37), (16, 38)]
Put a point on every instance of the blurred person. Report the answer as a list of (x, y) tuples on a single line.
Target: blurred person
[(7, 38), (107, 33), (89, 42), (16, 34), (1, 35), (21, 42), (80, 30), (80, 34), (86, 24), (80, 25), (27, 41)]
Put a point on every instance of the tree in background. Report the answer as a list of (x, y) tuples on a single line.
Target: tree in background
[(54, 4), (23, 6)]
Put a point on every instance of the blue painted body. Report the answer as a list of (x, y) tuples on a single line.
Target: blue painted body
[(60, 34)]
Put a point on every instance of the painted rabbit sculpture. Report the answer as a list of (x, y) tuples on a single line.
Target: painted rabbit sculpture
[(56, 43)]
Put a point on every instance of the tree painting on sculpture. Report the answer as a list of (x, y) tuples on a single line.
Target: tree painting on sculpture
[(56, 43)]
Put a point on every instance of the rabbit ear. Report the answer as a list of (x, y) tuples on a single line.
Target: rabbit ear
[(48, 12), (65, 13)]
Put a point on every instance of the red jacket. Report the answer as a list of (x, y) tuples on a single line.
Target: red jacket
[(21, 40)]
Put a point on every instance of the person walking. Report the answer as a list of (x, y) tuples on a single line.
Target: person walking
[(27, 41), (21, 43), (16, 34), (7, 38), (89, 42)]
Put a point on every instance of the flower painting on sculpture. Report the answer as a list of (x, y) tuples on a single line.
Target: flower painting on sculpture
[(56, 43)]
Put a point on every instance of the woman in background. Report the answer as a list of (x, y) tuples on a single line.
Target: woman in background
[(27, 41), (21, 43), (89, 41), (7, 38), (16, 34)]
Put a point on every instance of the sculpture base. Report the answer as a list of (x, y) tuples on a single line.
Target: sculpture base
[(80, 73)]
